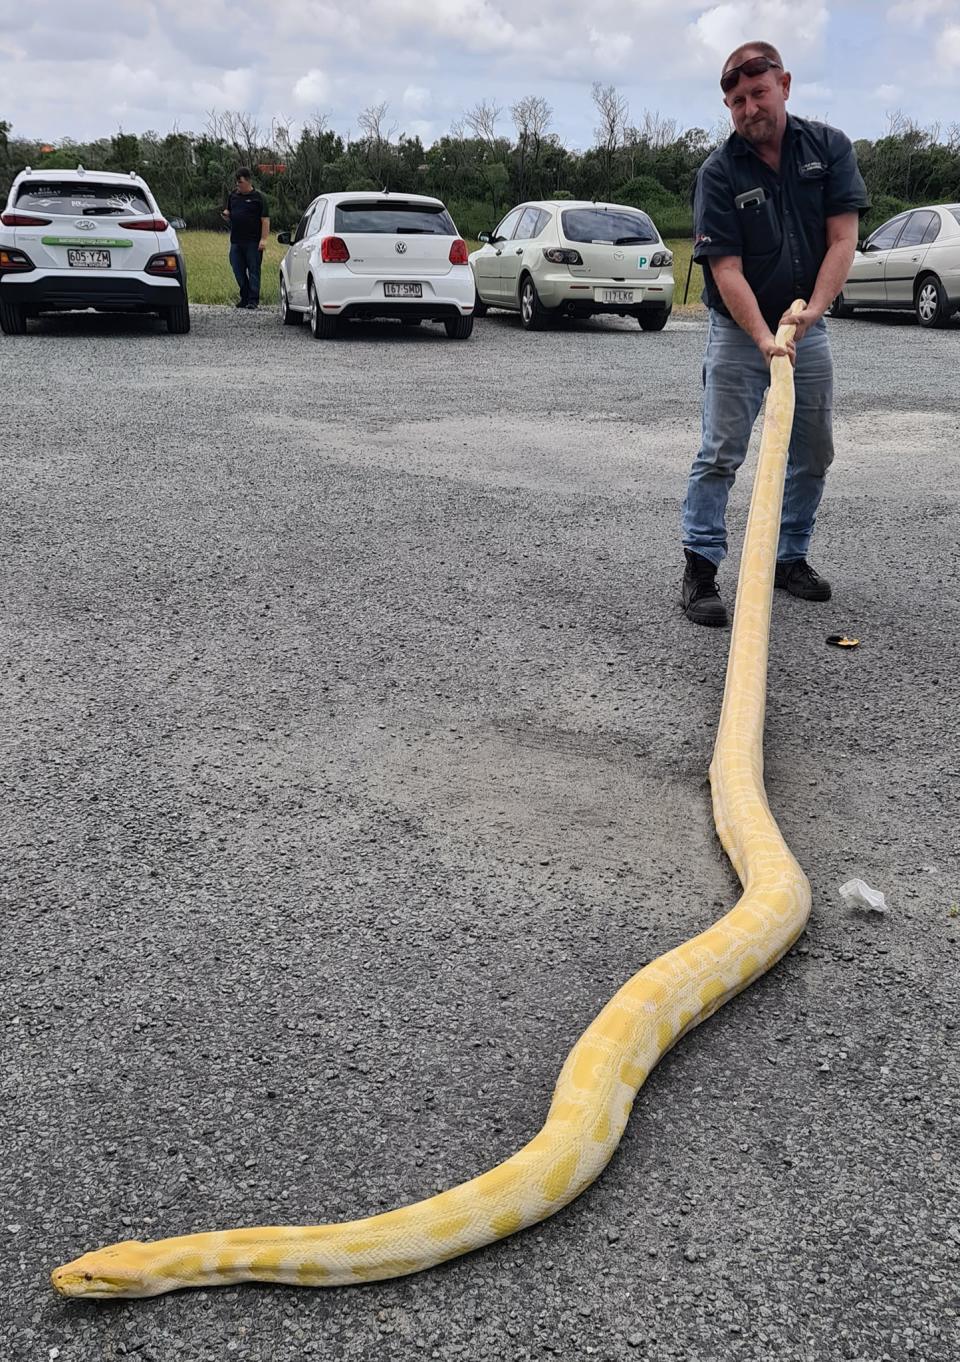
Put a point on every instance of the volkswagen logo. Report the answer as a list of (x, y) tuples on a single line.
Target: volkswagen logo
[(85, 224), (400, 247)]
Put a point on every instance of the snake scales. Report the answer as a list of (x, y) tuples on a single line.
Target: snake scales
[(609, 1063)]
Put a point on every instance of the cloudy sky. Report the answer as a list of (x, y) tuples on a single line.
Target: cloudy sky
[(85, 69)]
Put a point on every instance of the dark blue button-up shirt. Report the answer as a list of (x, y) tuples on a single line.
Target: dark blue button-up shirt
[(782, 239)]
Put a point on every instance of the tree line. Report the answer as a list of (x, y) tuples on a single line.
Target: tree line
[(490, 159)]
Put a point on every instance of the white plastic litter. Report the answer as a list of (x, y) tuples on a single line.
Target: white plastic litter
[(858, 894)]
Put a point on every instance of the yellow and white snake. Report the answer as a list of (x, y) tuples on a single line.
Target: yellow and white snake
[(611, 1060)]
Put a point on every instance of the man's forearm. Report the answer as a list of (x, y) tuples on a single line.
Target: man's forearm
[(832, 276), (264, 228), (741, 303)]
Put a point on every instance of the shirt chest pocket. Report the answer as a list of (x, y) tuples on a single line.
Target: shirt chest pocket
[(811, 186), (760, 227)]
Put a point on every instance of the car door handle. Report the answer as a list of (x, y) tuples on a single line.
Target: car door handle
[(519, 250), (499, 252)]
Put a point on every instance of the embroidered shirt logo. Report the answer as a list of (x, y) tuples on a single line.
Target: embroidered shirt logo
[(812, 165)]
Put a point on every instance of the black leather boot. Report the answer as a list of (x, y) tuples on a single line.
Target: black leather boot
[(701, 598)]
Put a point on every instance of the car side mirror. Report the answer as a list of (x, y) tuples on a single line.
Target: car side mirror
[(484, 237), (861, 246), (283, 238), (178, 224)]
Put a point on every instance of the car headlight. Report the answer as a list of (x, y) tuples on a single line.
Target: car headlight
[(660, 259)]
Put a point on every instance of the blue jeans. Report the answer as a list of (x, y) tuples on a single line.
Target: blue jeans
[(735, 378), (245, 261)]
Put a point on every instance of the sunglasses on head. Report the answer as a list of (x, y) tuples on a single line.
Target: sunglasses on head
[(755, 66)]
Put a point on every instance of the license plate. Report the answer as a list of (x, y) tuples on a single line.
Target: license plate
[(88, 260), (614, 295), (403, 290)]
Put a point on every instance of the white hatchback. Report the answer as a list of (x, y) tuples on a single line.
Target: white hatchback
[(376, 255), (79, 239)]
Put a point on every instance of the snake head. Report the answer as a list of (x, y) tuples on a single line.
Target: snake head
[(106, 1274)]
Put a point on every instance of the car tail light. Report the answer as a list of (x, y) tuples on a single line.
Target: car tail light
[(557, 256), (661, 259), (163, 264), (333, 250), (458, 252), (23, 220), (14, 260), (145, 225)]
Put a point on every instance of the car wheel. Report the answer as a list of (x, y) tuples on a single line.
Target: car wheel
[(480, 308), (533, 315), (459, 328), (654, 321), (839, 307), (930, 302), (178, 318), (13, 318), (322, 327), (287, 314)]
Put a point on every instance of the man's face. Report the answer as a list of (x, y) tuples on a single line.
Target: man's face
[(757, 105), (243, 185)]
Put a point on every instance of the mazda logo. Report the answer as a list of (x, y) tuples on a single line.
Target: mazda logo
[(618, 255), (85, 224), (400, 247)]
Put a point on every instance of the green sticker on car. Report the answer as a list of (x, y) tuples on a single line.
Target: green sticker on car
[(98, 242), (641, 261)]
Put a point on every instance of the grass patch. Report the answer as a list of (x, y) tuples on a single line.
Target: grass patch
[(210, 278)]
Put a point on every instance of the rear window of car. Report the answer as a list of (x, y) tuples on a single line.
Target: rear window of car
[(424, 219), (955, 210), (615, 226), (82, 200)]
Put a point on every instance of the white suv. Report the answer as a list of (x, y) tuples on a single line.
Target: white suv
[(376, 255), (78, 239)]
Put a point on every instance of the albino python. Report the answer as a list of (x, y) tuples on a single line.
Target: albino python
[(605, 1069)]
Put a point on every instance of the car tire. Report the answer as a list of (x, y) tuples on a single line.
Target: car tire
[(533, 315), (930, 302), (13, 318), (480, 308), (459, 328), (287, 314), (178, 318), (839, 307), (654, 321), (322, 327)]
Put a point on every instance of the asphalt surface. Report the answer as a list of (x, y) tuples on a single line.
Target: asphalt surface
[(354, 752)]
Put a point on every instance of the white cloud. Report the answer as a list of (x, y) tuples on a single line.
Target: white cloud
[(887, 93), (917, 12), (948, 47), (312, 89), (806, 91), (416, 98), (795, 24)]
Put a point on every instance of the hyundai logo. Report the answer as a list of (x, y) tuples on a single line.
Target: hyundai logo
[(85, 224), (400, 247)]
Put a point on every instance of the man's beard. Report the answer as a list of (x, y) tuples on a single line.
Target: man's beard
[(760, 130)]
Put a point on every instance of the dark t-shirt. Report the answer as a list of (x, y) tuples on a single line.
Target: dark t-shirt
[(781, 239), (245, 211)]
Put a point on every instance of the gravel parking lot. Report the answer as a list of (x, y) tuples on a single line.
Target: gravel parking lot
[(354, 753)]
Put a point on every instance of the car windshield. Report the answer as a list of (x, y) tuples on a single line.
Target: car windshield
[(423, 219), (82, 200), (615, 226)]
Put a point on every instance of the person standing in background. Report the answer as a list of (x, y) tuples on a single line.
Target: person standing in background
[(249, 220)]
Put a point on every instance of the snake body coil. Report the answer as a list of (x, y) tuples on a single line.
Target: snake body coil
[(611, 1060)]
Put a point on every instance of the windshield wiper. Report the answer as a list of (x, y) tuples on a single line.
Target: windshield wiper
[(632, 241)]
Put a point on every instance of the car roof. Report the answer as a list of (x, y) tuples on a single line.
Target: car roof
[(582, 203), (78, 176), (380, 196)]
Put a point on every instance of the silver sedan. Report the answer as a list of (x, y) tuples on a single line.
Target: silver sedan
[(911, 262)]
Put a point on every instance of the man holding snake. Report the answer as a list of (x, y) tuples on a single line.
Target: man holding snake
[(776, 212)]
